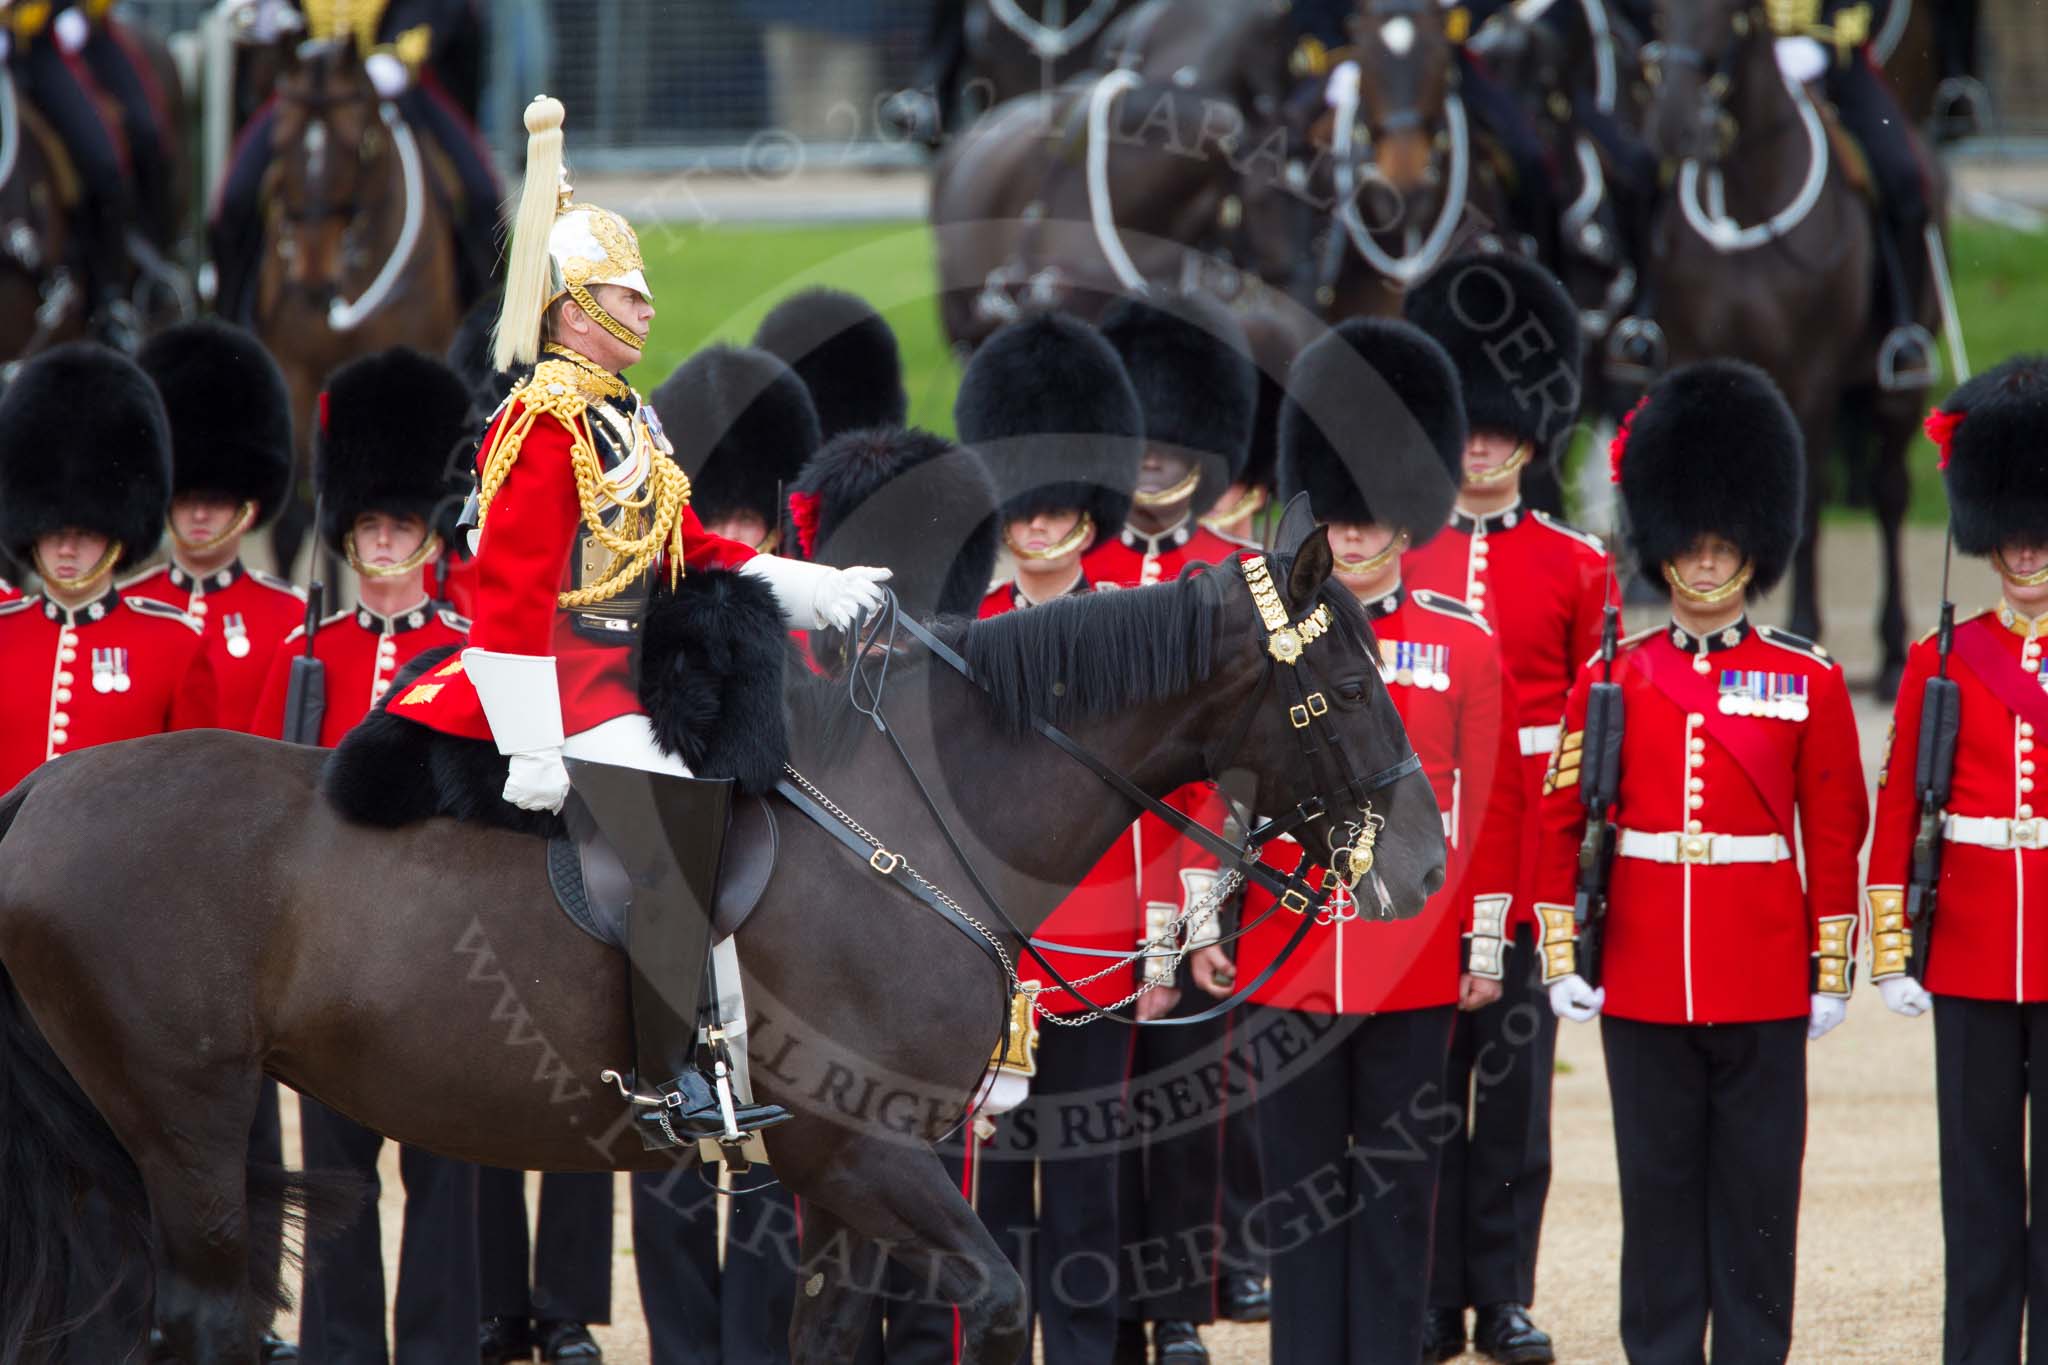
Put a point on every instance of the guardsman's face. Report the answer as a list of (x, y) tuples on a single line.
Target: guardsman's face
[(70, 553), (746, 527), (2017, 561), (383, 540), (1162, 469), (1486, 451), (198, 517), (1357, 543), (1710, 561), (1040, 532)]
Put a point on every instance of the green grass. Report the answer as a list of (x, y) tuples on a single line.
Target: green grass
[(716, 284)]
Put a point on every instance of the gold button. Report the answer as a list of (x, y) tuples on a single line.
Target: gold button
[(63, 695), (1695, 719), (1695, 802), (1693, 827), (59, 720), (2027, 728), (2026, 784), (1695, 784), (386, 664), (2027, 766), (1696, 744), (63, 678), (66, 639), (198, 609), (2026, 812), (2026, 746), (66, 655), (58, 736), (1696, 760)]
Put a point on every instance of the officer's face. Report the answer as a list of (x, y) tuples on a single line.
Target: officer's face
[(1356, 545), (2017, 562), (383, 540), (70, 553), (1710, 562)]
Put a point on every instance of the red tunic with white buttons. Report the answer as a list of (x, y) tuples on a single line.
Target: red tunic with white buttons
[(363, 651), (1991, 920), (1748, 733), (1541, 585), (1444, 670), (243, 612), (116, 668), (1136, 560), (1148, 875)]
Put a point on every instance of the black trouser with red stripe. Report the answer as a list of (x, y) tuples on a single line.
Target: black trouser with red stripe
[(1993, 1218), (1709, 1136), (1353, 1130), (1496, 1169)]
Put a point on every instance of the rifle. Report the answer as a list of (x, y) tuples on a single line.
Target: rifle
[(305, 698), (1934, 769), (1599, 786)]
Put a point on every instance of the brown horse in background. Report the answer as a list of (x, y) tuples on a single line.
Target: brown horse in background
[(1021, 47), (1789, 291), (358, 243), (42, 301)]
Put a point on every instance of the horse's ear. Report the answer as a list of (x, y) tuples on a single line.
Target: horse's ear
[(1297, 524), (1312, 565)]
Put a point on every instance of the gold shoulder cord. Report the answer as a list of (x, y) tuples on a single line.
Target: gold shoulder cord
[(668, 487)]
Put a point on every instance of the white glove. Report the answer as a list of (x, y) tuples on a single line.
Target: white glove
[(71, 30), (1571, 998), (1904, 995), (1828, 1011), (538, 781), (813, 596), (387, 73), (1006, 1092)]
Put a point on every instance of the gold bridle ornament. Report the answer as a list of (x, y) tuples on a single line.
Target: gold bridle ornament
[(1285, 640)]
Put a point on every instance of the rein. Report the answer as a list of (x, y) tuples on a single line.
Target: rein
[(1052, 41), (1308, 711), (346, 317)]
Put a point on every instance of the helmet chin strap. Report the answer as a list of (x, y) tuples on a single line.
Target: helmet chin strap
[(585, 300), (1510, 467), (2019, 580), (1067, 544), (85, 582), (1712, 597)]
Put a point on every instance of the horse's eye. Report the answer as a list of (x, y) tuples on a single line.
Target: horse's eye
[(1352, 691)]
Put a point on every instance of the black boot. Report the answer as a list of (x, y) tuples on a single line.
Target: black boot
[(570, 1341), (1178, 1343), (1906, 358), (1443, 1335), (1503, 1332), (668, 832), (1245, 1297), (505, 1341)]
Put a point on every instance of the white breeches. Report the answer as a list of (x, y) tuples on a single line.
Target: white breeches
[(624, 742)]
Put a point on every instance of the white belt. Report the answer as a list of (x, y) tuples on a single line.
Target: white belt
[(1704, 848), (1989, 831), (1539, 739)]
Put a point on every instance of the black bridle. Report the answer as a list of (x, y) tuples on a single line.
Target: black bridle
[(1323, 750)]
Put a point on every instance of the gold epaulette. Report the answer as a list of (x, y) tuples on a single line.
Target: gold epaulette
[(333, 20), (556, 388)]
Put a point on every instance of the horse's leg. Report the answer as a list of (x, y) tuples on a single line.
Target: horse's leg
[(1891, 489), (836, 1284), (901, 1195)]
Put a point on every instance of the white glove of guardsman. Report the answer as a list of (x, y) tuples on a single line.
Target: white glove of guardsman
[(1571, 997), (1904, 995), (816, 596), (1827, 1011)]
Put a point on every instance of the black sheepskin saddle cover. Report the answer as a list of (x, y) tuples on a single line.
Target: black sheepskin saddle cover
[(709, 665)]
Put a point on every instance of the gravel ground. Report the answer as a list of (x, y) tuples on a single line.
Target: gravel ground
[(1870, 1232)]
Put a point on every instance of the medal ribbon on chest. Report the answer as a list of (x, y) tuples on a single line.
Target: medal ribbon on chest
[(1772, 696), (110, 669), (1411, 664), (236, 629)]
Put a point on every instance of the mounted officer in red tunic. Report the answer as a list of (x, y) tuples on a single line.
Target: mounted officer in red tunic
[(581, 513)]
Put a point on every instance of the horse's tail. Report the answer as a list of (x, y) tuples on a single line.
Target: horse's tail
[(76, 1236)]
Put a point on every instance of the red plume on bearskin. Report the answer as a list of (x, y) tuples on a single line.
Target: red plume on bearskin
[(1617, 448), (803, 515), (1995, 465), (1941, 427)]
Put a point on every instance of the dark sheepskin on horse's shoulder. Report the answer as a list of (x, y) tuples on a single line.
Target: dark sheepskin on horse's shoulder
[(710, 668), (390, 772)]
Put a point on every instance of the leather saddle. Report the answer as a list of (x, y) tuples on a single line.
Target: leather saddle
[(591, 885)]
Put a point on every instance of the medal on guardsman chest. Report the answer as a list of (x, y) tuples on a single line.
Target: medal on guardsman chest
[(1407, 663), (236, 632), (1772, 696), (110, 670)]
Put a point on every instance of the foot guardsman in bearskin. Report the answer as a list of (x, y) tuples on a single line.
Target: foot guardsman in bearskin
[(846, 355), (231, 471), (744, 424), (1714, 964), (1513, 333), (1374, 431), (581, 510), (1047, 403), (1957, 898), (85, 478)]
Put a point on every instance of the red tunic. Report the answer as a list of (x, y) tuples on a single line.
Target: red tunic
[(1136, 560), (1992, 909), (531, 528), (1463, 731), (1694, 942), (1541, 585), (363, 652), (244, 614), (456, 583), (117, 668)]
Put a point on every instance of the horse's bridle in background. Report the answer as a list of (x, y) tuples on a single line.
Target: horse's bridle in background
[(1322, 745)]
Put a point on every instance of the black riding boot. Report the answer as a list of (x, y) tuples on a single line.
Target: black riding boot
[(1906, 358), (668, 832)]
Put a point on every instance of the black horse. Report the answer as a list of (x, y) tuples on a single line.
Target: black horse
[(231, 925)]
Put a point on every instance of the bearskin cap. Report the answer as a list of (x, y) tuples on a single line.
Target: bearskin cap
[(230, 414), (1993, 464), (845, 354), (1275, 340), (394, 436), (906, 499), (743, 425), (1192, 368), (84, 442), (1373, 428), (1513, 333), (1713, 449), (1049, 407)]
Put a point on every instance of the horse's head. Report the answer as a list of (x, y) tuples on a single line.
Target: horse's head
[(1320, 738), (1404, 68), (1689, 68), (330, 145)]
